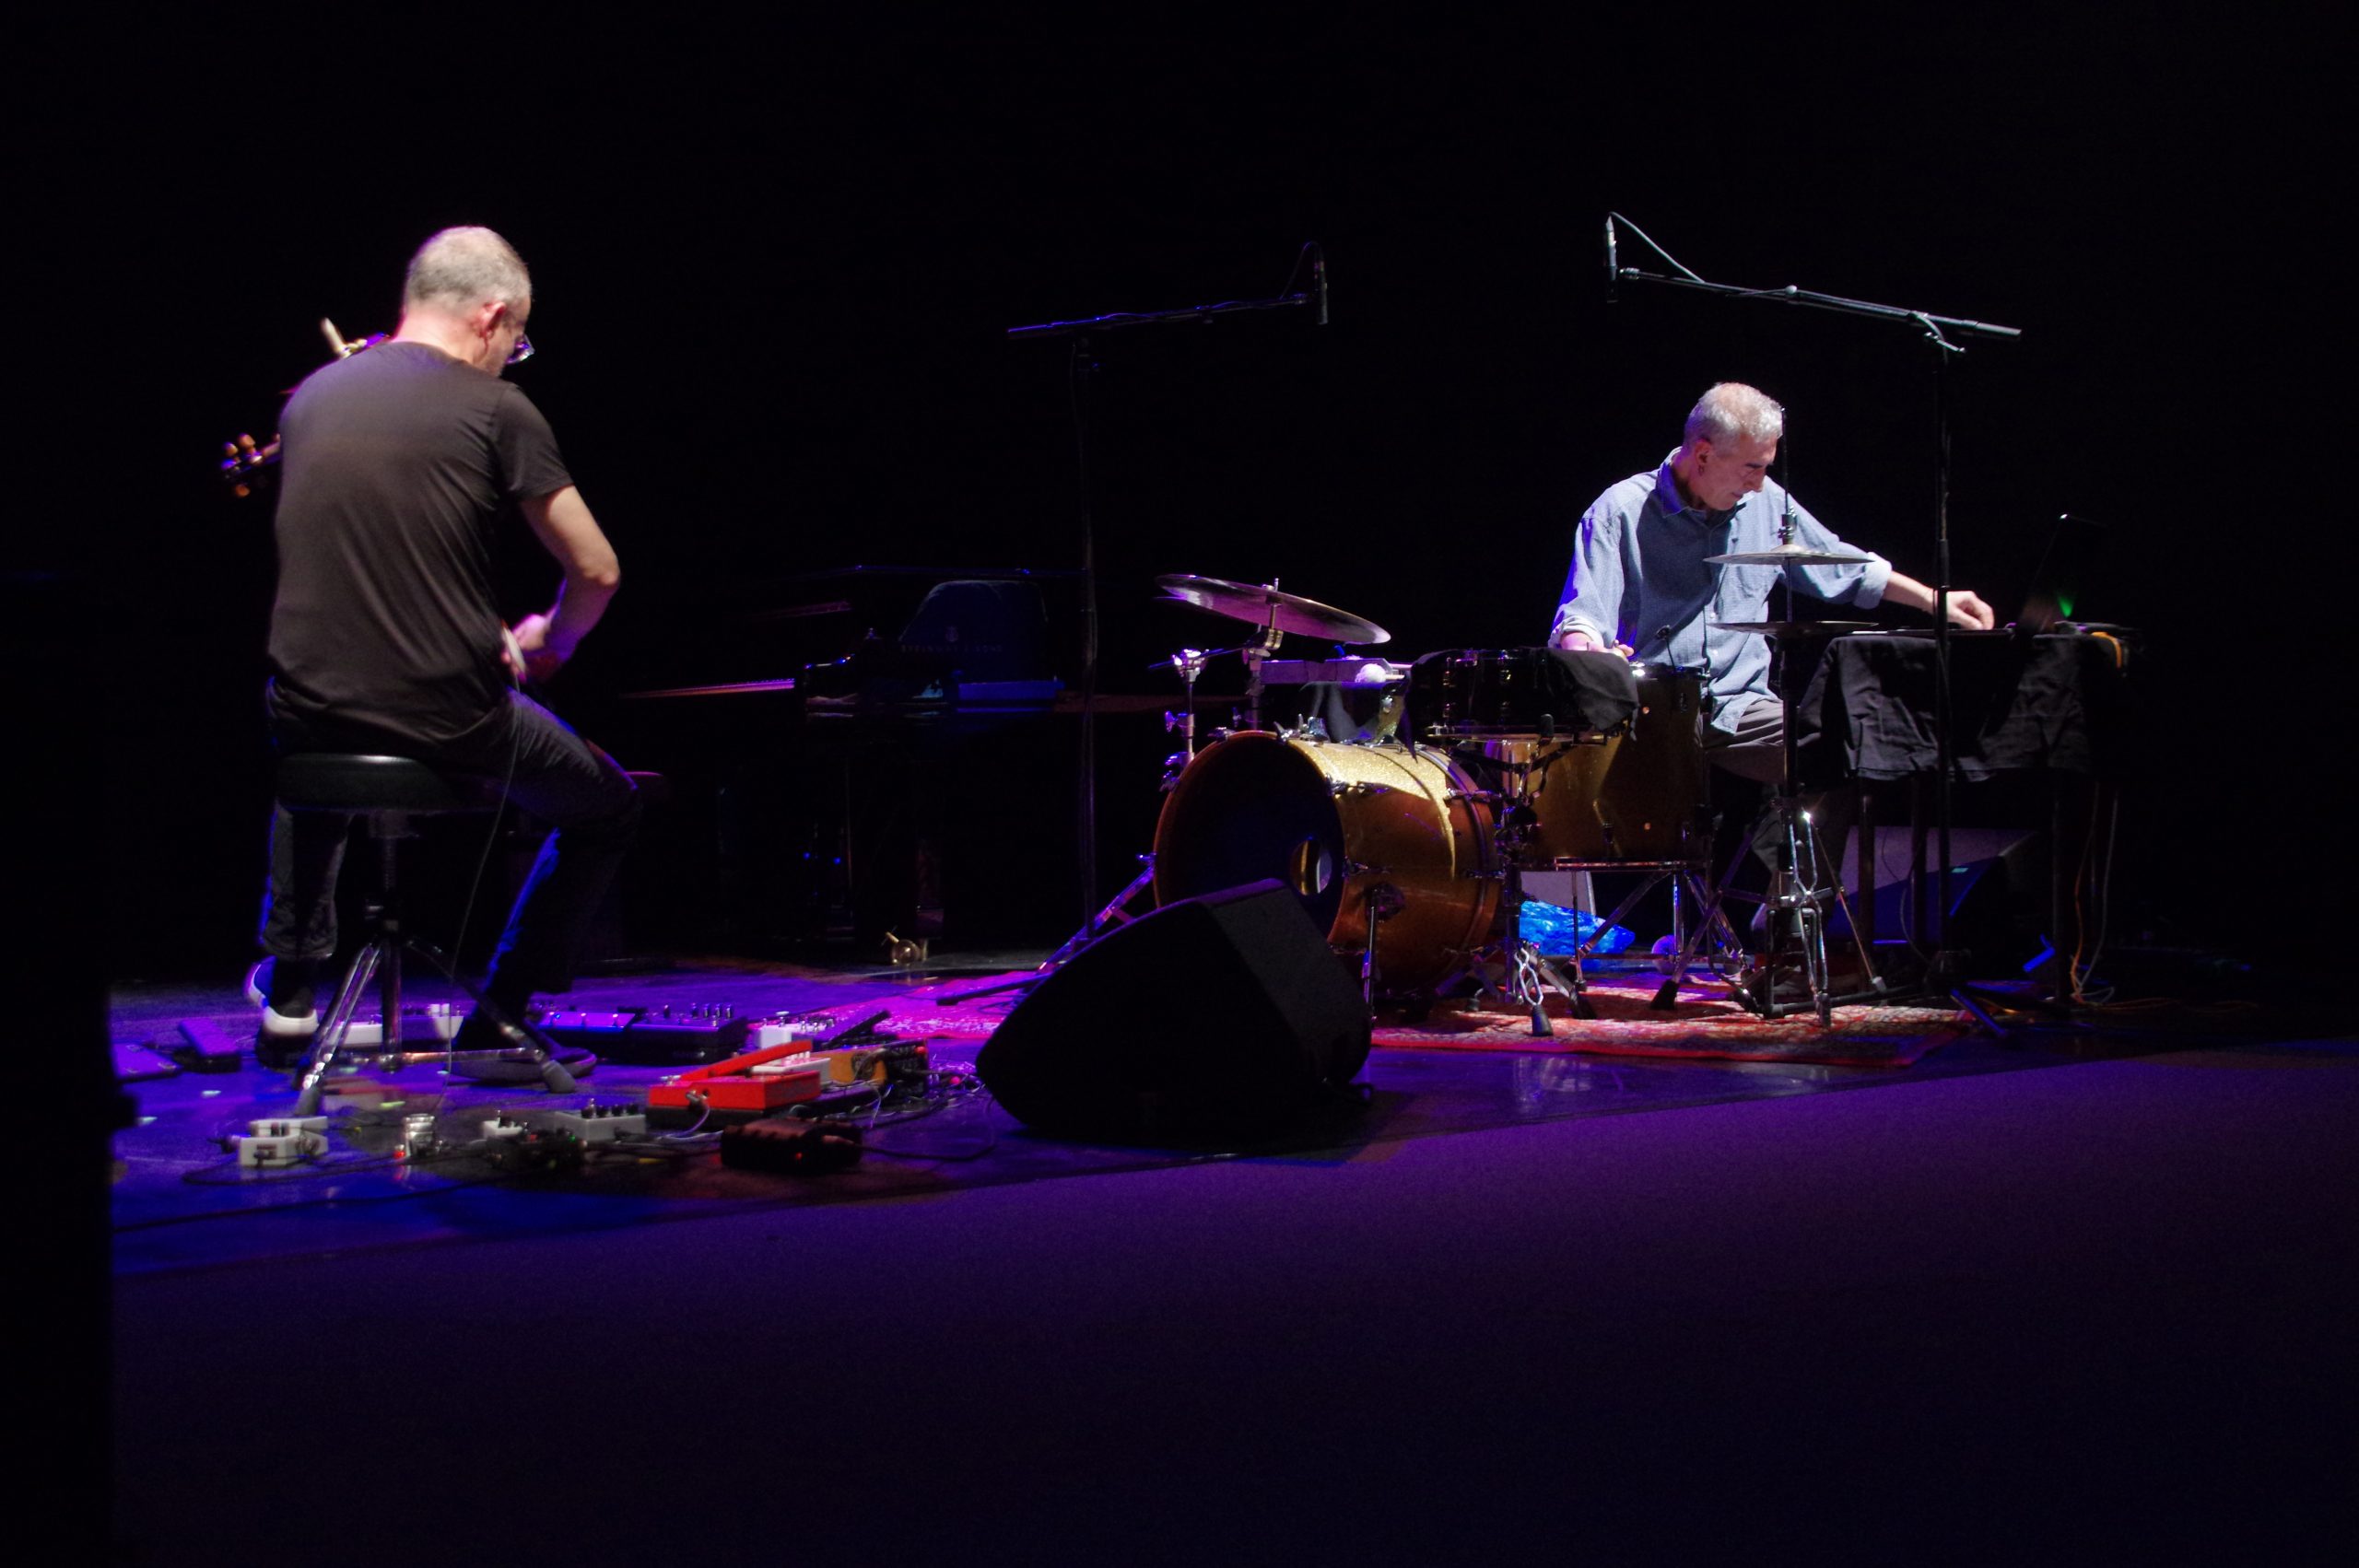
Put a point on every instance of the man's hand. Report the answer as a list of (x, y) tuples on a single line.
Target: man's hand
[(1580, 641), (542, 658), (1966, 609)]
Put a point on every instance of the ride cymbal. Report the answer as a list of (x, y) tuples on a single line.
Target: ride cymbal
[(1261, 605)]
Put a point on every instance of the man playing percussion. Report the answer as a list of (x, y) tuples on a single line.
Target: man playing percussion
[(383, 636), (1641, 585)]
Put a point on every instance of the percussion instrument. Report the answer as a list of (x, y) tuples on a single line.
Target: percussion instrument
[(1262, 605), (1346, 827), (1518, 691), (1796, 629), (1789, 555), (1639, 796)]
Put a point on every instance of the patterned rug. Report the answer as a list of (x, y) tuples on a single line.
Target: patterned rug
[(1704, 1025)]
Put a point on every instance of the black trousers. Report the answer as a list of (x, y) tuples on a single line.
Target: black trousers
[(553, 773)]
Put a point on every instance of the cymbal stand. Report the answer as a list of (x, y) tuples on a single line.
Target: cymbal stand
[(1255, 652), (1189, 662)]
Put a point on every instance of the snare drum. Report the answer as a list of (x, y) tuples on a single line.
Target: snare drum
[(1338, 824), (1639, 796), (1463, 694), (1476, 691)]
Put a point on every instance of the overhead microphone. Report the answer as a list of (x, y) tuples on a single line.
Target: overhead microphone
[(1613, 272)]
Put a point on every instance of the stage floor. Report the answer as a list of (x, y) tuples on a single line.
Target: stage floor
[(181, 1199), (2056, 1297)]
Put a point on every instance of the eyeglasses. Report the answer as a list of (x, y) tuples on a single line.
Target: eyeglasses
[(522, 352)]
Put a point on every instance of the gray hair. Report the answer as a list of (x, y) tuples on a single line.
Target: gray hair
[(460, 268), (1732, 409)]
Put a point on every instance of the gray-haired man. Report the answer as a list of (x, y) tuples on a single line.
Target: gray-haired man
[(396, 464)]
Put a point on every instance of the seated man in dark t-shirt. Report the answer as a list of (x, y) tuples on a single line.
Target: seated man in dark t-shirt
[(383, 637)]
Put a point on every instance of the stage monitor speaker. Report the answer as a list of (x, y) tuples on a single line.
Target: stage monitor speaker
[(1218, 1017), (1998, 892)]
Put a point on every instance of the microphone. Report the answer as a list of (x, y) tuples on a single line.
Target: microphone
[(1613, 272), (1319, 280)]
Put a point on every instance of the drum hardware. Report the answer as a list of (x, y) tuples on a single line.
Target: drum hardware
[(1117, 912), (1189, 662), (1630, 798), (1382, 903), (1529, 974), (1275, 614), (1796, 900), (1690, 882)]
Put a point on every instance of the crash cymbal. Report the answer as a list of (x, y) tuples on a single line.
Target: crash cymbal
[(1789, 555), (1796, 628), (1261, 605)]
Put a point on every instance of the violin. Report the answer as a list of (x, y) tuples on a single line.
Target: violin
[(245, 462)]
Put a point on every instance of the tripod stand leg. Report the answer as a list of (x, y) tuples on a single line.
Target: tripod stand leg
[(333, 1030), (1115, 913)]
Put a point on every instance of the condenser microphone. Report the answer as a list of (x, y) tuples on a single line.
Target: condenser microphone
[(1318, 281), (1613, 272)]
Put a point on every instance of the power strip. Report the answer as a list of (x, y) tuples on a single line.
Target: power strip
[(595, 1123)]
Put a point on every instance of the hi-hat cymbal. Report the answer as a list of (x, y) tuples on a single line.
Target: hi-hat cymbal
[(1261, 605), (1796, 628), (1789, 555)]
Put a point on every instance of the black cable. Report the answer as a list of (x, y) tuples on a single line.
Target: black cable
[(1658, 250)]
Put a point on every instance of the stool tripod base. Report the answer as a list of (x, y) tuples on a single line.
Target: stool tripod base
[(522, 1046)]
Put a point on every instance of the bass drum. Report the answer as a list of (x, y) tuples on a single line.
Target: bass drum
[(1339, 824)]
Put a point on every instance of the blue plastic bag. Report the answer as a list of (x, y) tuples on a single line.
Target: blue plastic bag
[(1556, 930)]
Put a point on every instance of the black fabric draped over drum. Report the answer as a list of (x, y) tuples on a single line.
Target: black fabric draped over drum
[(1473, 691)]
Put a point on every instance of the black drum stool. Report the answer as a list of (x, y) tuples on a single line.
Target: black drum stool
[(389, 792)]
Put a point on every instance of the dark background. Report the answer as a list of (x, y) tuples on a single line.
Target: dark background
[(773, 274)]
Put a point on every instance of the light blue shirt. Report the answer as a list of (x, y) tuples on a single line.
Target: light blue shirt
[(1638, 577)]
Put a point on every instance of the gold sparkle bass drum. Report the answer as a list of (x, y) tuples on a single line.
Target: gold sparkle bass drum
[(1356, 832)]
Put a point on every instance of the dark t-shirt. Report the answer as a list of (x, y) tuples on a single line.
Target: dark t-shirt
[(394, 464)]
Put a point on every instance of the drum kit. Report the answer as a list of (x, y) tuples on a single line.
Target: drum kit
[(1410, 853)]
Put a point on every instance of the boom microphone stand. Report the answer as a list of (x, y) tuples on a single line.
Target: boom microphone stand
[(1083, 369), (1945, 964)]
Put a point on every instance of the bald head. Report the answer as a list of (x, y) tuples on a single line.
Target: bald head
[(461, 268), (1733, 411)]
